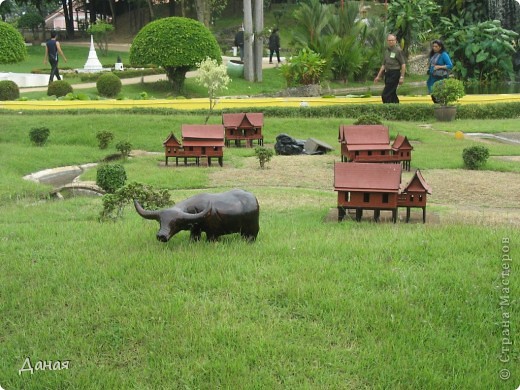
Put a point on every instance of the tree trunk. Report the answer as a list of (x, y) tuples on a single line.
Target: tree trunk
[(69, 20), (177, 76), (259, 39), (248, 42), (150, 6), (203, 8), (113, 11)]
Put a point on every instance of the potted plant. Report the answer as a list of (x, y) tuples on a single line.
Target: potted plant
[(446, 93)]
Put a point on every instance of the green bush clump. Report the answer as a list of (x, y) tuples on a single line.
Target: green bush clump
[(475, 157), (368, 119), (104, 138), (108, 85), (9, 90), (39, 135), (12, 45), (124, 147), (111, 177), (305, 68), (59, 88), (149, 197), (263, 155)]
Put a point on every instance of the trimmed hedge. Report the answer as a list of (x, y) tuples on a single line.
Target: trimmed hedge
[(59, 88), (9, 90), (108, 85), (12, 45), (394, 112)]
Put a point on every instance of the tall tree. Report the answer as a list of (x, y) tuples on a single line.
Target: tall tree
[(248, 41), (68, 13), (258, 49)]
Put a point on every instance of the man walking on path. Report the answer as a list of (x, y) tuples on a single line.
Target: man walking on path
[(394, 68), (52, 48)]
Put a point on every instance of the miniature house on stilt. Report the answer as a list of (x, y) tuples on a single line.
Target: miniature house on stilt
[(198, 141), (371, 144), (243, 127), (376, 186)]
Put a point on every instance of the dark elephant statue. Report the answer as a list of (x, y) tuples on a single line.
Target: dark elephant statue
[(235, 211)]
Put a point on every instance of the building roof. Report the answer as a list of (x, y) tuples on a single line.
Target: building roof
[(367, 177), (401, 142), (171, 138), (364, 135), (417, 184), (208, 132), (354, 148), (243, 120)]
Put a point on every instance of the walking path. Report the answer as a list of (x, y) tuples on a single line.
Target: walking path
[(224, 102)]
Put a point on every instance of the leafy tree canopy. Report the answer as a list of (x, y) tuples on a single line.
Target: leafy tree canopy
[(174, 42)]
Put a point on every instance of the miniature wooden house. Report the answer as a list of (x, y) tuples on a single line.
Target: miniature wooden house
[(243, 127), (206, 141), (403, 149), (371, 143), (364, 143), (414, 194), (367, 186)]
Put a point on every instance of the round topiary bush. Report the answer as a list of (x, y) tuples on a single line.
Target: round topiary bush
[(177, 44), (111, 177), (9, 90), (59, 88), (39, 135), (12, 45), (108, 85)]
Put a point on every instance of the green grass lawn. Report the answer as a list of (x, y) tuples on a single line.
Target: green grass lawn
[(312, 304)]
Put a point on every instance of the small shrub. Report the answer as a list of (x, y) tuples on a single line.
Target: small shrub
[(9, 90), (39, 135), (306, 68), (59, 88), (124, 148), (111, 177), (368, 119), (108, 85), (104, 138), (149, 197), (12, 44), (475, 157), (264, 155)]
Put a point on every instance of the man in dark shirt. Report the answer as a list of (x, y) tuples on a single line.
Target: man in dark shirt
[(239, 42), (394, 68), (52, 48)]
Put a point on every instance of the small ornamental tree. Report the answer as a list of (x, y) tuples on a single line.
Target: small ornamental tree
[(263, 155), (101, 31), (12, 45), (177, 44), (214, 77)]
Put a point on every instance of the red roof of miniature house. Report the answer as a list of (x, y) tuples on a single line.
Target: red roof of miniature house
[(364, 135), (171, 140), (371, 177), (243, 120), (207, 132), (417, 184), (401, 143)]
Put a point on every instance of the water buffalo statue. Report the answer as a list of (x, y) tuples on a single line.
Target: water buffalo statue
[(235, 211)]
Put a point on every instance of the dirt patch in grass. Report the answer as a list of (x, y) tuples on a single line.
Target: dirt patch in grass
[(458, 195)]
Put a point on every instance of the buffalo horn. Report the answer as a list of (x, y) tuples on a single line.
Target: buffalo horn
[(192, 217), (146, 213)]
